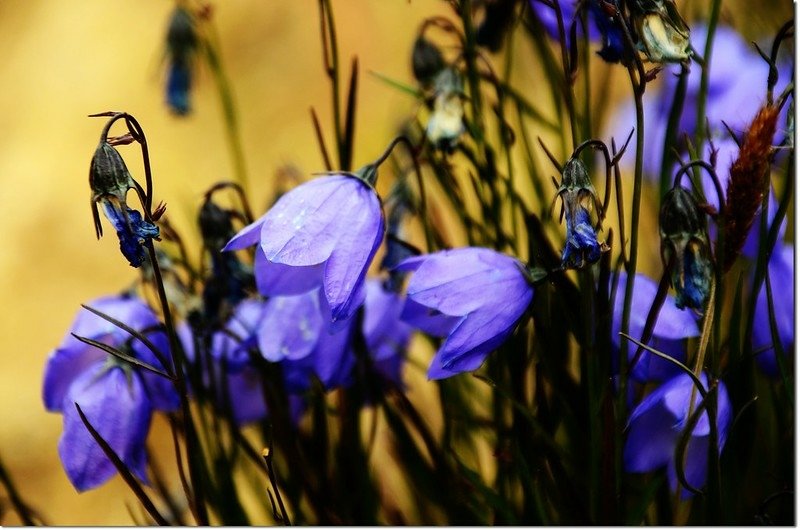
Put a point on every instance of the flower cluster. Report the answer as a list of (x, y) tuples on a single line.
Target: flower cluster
[(286, 348), (118, 398)]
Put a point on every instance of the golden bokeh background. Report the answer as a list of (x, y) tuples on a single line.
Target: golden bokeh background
[(65, 60)]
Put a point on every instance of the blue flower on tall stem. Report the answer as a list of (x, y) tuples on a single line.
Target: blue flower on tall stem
[(323, 233), (117, 399), (472, 296), (658, 422)]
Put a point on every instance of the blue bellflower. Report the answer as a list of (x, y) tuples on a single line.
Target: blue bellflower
[(578, 196), (672, 329), (781, 275), (657, 423), (323, 233), (110, 180), (685, 247), (472, 296), (117, 399)]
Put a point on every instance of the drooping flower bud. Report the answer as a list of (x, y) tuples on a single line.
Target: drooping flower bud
[(426, 61), (578, 198), (230, 279), (684, 244), (663, 34), (446, 124), (181, 46), (109, 179), (215, 226)]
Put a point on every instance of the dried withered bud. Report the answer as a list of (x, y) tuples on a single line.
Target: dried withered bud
[(578, 199), (109, 179), (685, 247), (446, 124), (426, 61), (215, 226), (749, 181), (663, 34)]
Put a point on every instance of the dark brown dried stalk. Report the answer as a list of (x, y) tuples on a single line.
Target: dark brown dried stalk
[(749, 181)]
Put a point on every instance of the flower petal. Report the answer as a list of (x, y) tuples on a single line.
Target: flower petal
[(160, 390), (781, 275), (459, 281), (386, 336), (302, 228), (72, 357), (118, 408), (672, 327), (276, 279), (431, 321), (347, 267), (247, 236), (651, 437), (291, 327)]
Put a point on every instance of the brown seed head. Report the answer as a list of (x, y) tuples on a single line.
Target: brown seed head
[(749, 181)]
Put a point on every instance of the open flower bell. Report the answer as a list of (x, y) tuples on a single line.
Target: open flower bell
[(473, 296), (657, 423), (325, 233), (117, 399)]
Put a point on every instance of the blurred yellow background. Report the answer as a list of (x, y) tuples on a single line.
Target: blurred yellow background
[(64, 60)]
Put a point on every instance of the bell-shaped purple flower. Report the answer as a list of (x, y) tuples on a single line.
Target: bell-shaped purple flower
[(325, 233), (672, 329), (657, 423), (781, 275), (473, 296), (116, 398)]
